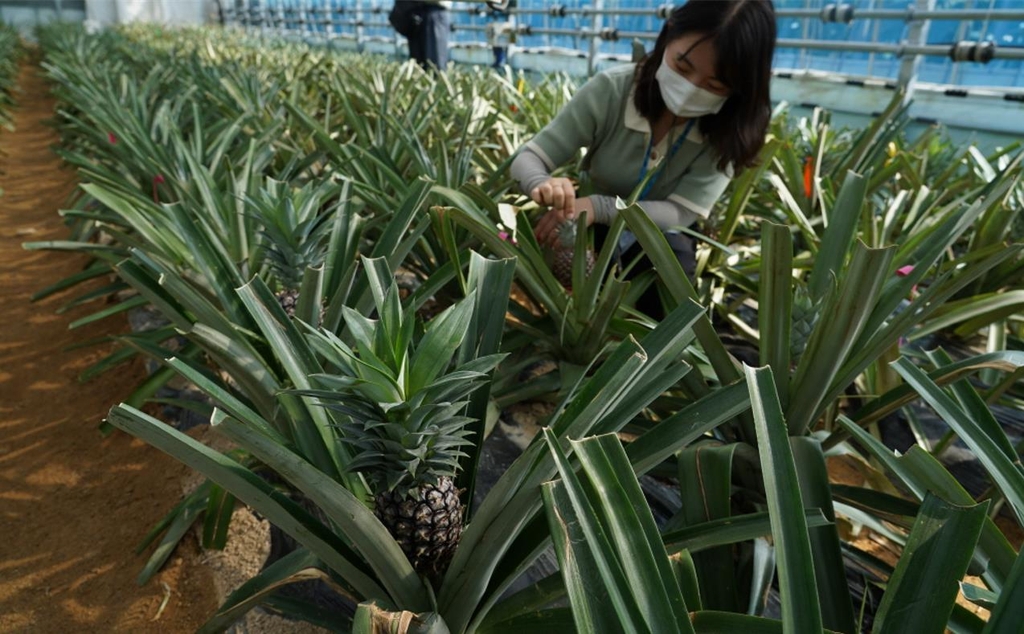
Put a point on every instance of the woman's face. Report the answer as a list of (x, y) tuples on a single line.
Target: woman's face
[(693, 56)]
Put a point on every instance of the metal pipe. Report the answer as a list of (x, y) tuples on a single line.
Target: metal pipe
[(595, 44), (607, 33), (584, 12), (564, 32), (360, 32), (906, 15), (636, 35), (958, 52), (805, 33), (917, 36), (961, 33), (369, 24), (899, 49), (874, 38)]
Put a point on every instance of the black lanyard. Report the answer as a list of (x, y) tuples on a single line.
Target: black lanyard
[(647, 157)]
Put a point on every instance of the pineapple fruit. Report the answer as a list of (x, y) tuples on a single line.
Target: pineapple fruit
[(402, 408), (565, 253), (804, 318), (288, 299)]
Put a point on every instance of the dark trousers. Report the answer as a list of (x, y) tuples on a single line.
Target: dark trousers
[(428, 44), (682, 245)]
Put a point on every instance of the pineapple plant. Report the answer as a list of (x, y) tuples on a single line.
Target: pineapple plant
[(295, 227), (402, 408), (565, 253)]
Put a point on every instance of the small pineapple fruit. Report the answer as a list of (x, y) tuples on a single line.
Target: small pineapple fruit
[(288, 298), (402, 408), (805, 316), (565, 253)]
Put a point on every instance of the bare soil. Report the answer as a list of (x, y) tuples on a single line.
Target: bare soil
[(73, 505)]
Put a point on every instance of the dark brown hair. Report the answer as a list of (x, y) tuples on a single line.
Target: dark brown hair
[(743, 34)]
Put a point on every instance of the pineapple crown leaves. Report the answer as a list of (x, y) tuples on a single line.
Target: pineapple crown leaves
[(567, 234), (401, 444), (399, 400), (357, 398), (294, 226), (438, 426), (392, 456), (363, 372), (392, 333), (440, 343)]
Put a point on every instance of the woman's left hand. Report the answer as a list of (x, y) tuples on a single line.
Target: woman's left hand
[(547, 227)]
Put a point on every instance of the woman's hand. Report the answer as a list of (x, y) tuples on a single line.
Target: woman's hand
[(547, 227), (557, 193)]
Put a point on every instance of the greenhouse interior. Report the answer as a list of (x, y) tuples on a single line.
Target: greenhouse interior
[(420, 317)]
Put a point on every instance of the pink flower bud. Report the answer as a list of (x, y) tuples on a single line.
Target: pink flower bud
[(157, 180), (904, 271)]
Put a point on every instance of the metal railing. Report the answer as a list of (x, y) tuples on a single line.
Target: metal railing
[(845, 13), (312, 18)]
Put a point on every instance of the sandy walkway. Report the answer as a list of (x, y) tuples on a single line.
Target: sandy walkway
[(73, 505)]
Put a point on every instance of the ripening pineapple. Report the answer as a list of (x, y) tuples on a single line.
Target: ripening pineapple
[(403, 411), (565, 252), (408, 452)]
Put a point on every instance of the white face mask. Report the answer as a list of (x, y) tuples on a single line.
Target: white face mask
[(683, 98)]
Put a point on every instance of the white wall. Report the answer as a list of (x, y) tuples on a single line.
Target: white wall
[(109, 12), (102, 12)]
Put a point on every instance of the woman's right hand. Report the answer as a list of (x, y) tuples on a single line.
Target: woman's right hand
[(548, 226), (559, 194)]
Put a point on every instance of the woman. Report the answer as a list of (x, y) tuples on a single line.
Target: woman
[(696, 109)]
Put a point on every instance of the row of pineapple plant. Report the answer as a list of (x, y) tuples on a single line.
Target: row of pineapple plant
[(337, 402), (11, 52)]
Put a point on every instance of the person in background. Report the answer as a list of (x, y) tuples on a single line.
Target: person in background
[(499, 29), (691, 114), (428, 42)]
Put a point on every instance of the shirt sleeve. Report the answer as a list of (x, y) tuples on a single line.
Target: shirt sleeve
[(529, 170), (577, 125), (698, 191)]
